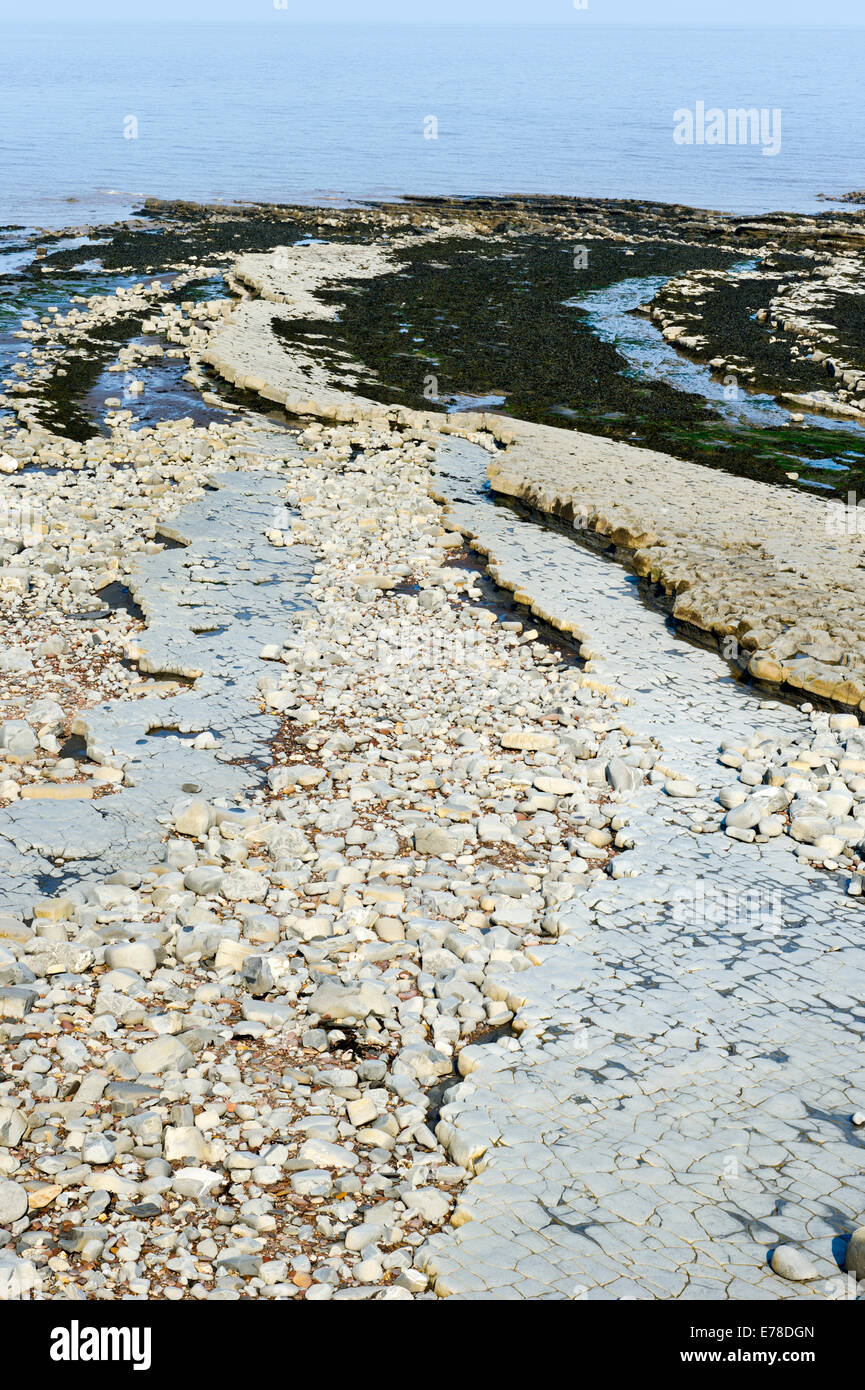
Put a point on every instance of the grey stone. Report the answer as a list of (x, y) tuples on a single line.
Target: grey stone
[(58, 957), (434, 839), (854, 1260), (13, 1201), (313, 1182), (98, 1148), (744, 817), (13, 1126), (162, 1054), (335, 1001), (622, 777), (17, 738), (16, 1001), (131, 955), (204, 880), (793, 1264), (258, 976)]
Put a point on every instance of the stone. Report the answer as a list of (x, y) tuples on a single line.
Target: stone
[(744, 817), (622, 777), (19, 1279), (793, 1264), (312, 1182), (163, 1054), (58, 957), (42, 1195), (770, 826), (533, 740), (196, 1182), (680, 787), (46, 714), (258, 975), (359, 1237), (333, 1001), (131, 955), (192, 818), (556, 786), (492, 829), (765, 668), (809, 830), (232, 955), (854, 1259), (16, 1001), (98, 1148), (182, 1142), (244, 885), (433, 839), (843, 723), (13, 1126), (389, 929), (282, 779), (326, 1155), (244, 1266), (17, 739), (13, 929), (428, 1203), (732, 796), (204, 881), (512, 914), (362, 1112), (13, 1202), (72, 791)]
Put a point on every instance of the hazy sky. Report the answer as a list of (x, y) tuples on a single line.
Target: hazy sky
[(753, 12)]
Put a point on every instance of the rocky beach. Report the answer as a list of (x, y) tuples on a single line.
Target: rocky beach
[(432, 754)]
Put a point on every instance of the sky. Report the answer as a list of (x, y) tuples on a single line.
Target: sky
[(782, 13)]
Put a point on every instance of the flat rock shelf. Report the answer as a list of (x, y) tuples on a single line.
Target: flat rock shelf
[(210, 606)]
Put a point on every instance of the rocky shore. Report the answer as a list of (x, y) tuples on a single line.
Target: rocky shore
[(732, 553), (243, 1036), (393, 906), (816, 307)]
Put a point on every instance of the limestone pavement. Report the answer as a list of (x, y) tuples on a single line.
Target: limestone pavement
[(682, 1096)]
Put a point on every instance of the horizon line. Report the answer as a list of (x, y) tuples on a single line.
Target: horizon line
[(455, 22)]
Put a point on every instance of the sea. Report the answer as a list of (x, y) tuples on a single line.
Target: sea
[(94, 118)]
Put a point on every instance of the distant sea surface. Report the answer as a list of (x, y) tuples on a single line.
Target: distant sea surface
[(281, 111)]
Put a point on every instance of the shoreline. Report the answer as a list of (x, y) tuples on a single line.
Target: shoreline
[(135, 205), (390, 990), (723, 575)]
